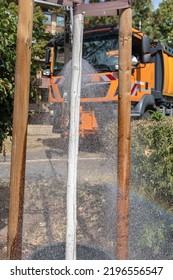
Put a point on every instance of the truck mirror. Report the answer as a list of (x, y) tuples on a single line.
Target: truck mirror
[(47, 56), (145, 45), (134, 60), (146, 58)]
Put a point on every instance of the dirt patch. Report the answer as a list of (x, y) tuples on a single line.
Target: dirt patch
[(45, 216), (44, 220)]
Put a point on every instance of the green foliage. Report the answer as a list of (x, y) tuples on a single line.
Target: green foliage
[(142, 13), (39, 38), (8, 34), (156, 115), (153, 237), (163, 22), (152, 158), (8, 23), (96, 21), (151, 155)]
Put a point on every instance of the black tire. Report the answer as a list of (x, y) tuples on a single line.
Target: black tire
[(146, 115)]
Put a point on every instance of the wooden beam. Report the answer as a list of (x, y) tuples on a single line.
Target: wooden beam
[(20, 118), (124, 111), (69, 3), (109, 8)]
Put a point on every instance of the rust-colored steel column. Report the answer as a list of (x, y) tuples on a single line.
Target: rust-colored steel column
[(20, 119), (124, 109)]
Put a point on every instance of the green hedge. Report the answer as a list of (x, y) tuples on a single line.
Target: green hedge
[(152, 157)]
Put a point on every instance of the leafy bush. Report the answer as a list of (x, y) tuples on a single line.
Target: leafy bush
[(8, 34), (156, 115), (8, 23), (152, 157)]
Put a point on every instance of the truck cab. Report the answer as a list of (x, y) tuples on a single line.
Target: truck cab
[(150, 85)]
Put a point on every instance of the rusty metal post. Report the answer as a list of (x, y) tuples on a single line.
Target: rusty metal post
[(124, 110), (20, 119)]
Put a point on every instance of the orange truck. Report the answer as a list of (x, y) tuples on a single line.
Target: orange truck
[(151, 78)]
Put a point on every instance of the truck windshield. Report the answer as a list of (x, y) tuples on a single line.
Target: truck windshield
[(96, 48)]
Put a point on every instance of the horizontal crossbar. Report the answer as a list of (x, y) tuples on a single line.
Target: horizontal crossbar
[(96, 9), (102, 9)]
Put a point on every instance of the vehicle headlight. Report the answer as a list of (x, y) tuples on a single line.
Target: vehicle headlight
[(46, 72), (116, 66)]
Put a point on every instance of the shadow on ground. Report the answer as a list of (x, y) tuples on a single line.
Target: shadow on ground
[(86, 144), (58, 146), (4, 199)]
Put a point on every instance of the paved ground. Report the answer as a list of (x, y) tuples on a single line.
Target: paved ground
[(45, 191), (150, 227)]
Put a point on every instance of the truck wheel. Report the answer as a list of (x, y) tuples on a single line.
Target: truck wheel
[(146, 115)]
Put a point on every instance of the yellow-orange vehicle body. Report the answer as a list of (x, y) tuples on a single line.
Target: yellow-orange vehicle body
[(151, 79)]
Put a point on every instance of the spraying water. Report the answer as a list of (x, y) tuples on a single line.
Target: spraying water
[(88, 87), (92, 86), (150, 227)]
